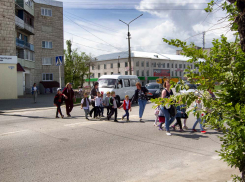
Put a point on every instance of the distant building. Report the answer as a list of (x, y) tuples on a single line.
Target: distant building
[(147, 66), (31, 34), (178, 52)]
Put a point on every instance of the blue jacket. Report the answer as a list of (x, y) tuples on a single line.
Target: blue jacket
[(180, 109)]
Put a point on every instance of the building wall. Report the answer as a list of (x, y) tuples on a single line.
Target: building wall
[(7, 27), (8, 89), (48, 29), (20, 90)]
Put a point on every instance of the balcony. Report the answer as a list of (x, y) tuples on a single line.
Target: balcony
[(24, 45), (27, 6), (23, 26)]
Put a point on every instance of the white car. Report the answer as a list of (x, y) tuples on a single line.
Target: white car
[(192, 89), (122, 85)]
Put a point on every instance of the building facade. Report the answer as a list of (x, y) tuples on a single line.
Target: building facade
[(23, 29), (147, 66)]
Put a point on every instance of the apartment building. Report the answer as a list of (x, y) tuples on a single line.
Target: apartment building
[(31, 34), (146, 65)]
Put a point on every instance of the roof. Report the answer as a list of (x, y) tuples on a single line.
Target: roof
[(20, 68), (140, 54), (50, 2)]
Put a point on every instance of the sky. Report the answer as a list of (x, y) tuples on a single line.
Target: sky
[(94, 26)]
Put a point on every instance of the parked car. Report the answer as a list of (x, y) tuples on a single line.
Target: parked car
[(192, 88), (155, 90)]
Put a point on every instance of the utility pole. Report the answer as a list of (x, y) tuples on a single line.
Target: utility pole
[(129, 49), (89, 73), (204, 40), (118, 65)]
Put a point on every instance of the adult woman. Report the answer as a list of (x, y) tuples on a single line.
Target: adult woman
[(166, 93), (69, 93), (140, 95), (34, 92), (93, 94)]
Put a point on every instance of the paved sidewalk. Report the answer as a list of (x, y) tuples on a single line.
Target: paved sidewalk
[(43, 101)]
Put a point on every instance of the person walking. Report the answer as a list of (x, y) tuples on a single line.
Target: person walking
[(126, 106), (198, 108), (140, 95), (93, 94), (34, 92), (69, 93), (113, 106), (166, 93), (58, 100), (85, 105), (106, 102)]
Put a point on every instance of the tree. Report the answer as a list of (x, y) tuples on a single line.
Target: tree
[(76, 66), (224, 64)]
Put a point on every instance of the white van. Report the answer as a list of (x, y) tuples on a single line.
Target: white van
[(121, 84)]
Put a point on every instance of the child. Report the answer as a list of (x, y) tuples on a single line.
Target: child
[(198, 108), (113, 107), (181, 113), (161, 118), (85, 105), (126, 106), (157, 110), (58, 100), (98, 102), (106, 102), (102, 105)]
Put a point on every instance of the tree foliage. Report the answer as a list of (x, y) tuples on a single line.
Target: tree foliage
[(76, 66), (224, 64)]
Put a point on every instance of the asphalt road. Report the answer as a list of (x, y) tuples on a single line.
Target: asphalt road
[(37, 147)]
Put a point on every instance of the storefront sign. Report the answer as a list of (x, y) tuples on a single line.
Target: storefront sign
[(161, 72), (8, 59)]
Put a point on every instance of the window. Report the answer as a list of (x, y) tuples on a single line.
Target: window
[(147, 64), (180, 65), (126, 64), (167, 65), (98, 75), (111, 65), (126, 83), (191, 66), (163, 65), (147, 73), (47, 45), (172, 73), (47, 61), (180, 73), (137, 63), (142, 64), (46, 12), (104, 66), (105, 73), (92, 67), (159, 65), (118, 65), (47, 77), (154, 64), (99, 67), (138, 73), (132, 83), (172, 65), (176, 73), (29, 3), (143, 73), (29, 55), (111, 73), (126, 72), (176, 66), (184, 66)]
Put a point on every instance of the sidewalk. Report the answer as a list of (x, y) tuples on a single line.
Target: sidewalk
[(43, 101)]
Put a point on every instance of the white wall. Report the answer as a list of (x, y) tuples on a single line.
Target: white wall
[(20, 90)]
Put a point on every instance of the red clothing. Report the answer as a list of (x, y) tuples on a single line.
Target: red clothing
[(125, 105), (69, 93)]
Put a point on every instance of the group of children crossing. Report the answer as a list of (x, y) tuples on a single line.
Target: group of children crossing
[(110, 103)]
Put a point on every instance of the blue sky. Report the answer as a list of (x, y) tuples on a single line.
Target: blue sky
[(96, 24)]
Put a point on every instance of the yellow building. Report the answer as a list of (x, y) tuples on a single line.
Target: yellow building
[(8, 77)]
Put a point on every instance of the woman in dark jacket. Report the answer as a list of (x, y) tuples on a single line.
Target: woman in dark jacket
[(69, 93), (93, 94), (140, 95)]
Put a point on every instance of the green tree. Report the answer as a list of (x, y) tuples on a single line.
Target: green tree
[(76, 66), (224, 64)]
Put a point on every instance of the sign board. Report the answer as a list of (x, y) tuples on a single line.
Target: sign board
[(59, 60), (127, 69), (8, 59), (161, 72)]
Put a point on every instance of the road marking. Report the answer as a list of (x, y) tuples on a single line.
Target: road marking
[(13, 132), (83, 123)]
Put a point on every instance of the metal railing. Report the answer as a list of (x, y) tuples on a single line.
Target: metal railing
[(19, 22), (23, 44), (29, 28)]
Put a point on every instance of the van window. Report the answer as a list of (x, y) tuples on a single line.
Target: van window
[(107, 83), (126, 83), (132, 83)]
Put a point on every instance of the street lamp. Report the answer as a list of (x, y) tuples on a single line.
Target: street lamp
[(118, 65), (129, 49)]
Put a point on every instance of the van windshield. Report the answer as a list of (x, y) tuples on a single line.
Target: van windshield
[(107, 83)]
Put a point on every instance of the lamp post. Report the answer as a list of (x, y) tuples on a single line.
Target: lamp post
[(129, 49), (118, 65)]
